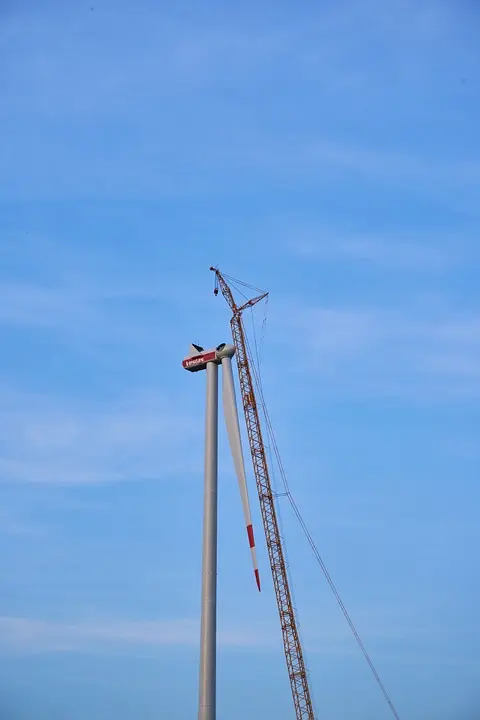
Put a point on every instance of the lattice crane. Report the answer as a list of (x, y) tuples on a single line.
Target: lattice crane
[(291, 640)]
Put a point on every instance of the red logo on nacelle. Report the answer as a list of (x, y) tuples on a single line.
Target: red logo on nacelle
[(199, 360)]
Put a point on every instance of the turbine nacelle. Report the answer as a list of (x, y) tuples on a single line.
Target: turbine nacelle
[(198, 357)]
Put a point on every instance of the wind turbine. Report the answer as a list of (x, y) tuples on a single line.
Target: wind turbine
[(209, 360)]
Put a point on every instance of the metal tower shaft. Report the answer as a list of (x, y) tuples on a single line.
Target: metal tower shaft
[(208, 639)]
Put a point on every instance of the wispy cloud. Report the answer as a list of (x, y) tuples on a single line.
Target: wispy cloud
[(111, 322), (392, 252), (66, 76), (97, 311), (208, 50), (28, 635), (139, 437), (429, 351), (399, 167), (52, 285)]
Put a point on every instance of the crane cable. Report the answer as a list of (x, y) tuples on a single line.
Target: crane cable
[(306, 532)]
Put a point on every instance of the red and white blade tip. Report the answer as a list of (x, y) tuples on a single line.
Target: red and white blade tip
[(251, 542)]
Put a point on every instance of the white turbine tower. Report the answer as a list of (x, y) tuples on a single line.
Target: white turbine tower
[(209, 360)]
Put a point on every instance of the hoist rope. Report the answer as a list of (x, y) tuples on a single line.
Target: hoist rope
[(273, 446)]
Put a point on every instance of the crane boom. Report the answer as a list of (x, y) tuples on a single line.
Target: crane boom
[(291, 640)]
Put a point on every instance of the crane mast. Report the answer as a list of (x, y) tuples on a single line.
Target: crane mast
[(291, 640)]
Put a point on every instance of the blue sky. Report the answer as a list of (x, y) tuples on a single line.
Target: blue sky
[(328, 153)]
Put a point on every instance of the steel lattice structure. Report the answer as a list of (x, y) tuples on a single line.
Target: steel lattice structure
[(291, 640)]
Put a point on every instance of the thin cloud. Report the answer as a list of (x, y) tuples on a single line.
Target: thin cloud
[(389, 252), (54, 79), (92, 306), (28, 635), (201, 54), (92, 301), (416, 351), (48, 441)]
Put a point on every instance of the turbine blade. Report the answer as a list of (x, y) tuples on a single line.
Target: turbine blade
[(234, 437)]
